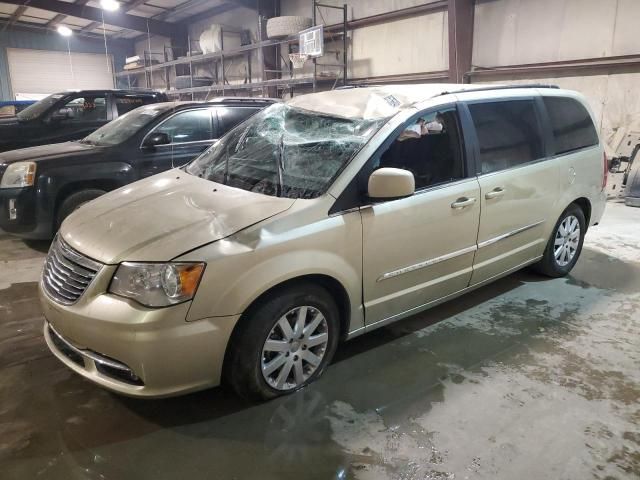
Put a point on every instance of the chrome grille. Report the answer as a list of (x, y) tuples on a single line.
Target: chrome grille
[(67, 273)]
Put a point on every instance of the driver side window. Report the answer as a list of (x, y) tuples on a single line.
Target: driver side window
[(83, 109), (429, 146)]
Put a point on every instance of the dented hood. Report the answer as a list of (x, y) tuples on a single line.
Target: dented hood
[(163, 216)]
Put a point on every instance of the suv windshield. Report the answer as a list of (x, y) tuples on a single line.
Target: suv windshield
[(284, 151), (38, 108), (125, 126)]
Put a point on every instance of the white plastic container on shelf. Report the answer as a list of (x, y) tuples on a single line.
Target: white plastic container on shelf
[(211, 40)]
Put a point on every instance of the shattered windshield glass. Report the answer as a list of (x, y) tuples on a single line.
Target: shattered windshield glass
[(286, 152)]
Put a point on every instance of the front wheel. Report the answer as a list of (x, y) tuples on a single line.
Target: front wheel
[(565, 244), (283, 344), (75, 201)]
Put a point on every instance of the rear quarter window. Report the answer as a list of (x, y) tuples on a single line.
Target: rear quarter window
[(126, 103), (571, 124), (229, 117)]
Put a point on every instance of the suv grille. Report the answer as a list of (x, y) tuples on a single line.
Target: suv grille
[(67, 273)]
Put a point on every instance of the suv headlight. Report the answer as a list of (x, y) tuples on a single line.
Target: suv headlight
[(19, 174), (157, 284)]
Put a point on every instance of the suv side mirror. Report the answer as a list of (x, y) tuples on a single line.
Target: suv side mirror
[(391, 183), (156, 139)]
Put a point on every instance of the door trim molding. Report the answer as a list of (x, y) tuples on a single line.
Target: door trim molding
[(493, 240), (426, 263), (438, 301)]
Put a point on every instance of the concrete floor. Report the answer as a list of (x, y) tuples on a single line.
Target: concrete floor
[(528, 378)]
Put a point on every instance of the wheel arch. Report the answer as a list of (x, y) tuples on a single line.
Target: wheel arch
[(585, 205), (335, 288)]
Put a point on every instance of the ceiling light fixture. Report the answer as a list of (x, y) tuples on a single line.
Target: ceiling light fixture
[(65, 31), (109, 5)]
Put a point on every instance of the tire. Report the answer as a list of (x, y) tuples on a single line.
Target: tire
[(73, 202), (552, 266), (248, 353), (279, 27)]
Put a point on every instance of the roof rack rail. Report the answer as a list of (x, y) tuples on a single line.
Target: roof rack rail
[(243, 99), (499, 87)]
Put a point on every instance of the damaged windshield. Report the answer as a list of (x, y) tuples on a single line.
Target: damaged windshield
[(285, 152)]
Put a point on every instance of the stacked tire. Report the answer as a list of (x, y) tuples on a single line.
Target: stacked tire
[(281, 27)]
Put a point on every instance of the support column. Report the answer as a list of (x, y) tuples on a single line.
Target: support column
[(460, 39)]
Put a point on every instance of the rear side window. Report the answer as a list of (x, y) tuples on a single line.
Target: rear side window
[(508, 133), (571, 124), (126, 103), (229, 117)]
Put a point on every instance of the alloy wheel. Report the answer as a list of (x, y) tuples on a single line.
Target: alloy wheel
[(294, 348), (567, 240)]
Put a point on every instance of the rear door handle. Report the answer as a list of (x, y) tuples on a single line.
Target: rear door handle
[(463, 202), (495, 193)]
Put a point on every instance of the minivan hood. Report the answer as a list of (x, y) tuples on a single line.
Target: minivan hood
[(161, 217), (47, 152)]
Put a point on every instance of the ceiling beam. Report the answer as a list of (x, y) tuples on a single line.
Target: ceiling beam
[(90, 26), (58, 19), (17, 13), (118, 19)]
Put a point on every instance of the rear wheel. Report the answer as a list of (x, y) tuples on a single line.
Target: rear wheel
[(283, 344), (73, 202), (565, 244)]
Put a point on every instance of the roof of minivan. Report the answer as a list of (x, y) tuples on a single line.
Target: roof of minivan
[(378, 101)]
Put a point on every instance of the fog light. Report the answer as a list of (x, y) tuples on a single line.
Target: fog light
[(13, 213)]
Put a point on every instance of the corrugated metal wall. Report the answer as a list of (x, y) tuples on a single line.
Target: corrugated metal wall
[(41, 40)]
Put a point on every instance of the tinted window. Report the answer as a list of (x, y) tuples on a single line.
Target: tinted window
[(126, 103), (189, 126), (508, 133), (571, 124), (429, 147), (229, 117)]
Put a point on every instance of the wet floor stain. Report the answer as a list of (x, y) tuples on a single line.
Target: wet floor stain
[(525, 378)]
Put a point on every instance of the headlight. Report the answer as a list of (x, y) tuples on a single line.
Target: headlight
[(19, 174), (157, 284)]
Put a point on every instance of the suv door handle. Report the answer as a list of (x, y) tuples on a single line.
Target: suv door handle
[(463, 202), (495, 193)]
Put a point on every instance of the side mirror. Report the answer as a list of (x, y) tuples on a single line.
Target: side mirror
[(390, 183), (156, 139)]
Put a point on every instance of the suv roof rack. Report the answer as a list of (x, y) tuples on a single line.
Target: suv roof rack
[(499, 87)]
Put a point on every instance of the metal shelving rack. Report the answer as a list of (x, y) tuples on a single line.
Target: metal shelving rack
[(285, 83)]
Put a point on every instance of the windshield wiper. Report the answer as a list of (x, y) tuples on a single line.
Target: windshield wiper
[(280, 164)]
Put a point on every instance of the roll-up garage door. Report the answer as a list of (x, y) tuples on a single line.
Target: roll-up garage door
[(44, 72)]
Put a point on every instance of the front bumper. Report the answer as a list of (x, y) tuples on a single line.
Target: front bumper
[(133, 350), (22, 215)]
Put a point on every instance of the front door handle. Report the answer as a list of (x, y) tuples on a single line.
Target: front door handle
[(463, 202), (495, 193)]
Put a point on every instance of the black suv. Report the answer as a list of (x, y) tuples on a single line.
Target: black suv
[(70, 116), (40, 186)]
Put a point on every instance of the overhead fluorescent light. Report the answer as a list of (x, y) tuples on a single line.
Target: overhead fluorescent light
[(64, 31), (110, 5)]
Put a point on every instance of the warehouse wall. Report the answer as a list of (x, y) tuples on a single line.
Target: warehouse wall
[(16, 37), (515, 32), (410, 45)]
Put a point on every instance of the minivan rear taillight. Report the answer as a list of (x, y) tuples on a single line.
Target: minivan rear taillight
[(605, 173)]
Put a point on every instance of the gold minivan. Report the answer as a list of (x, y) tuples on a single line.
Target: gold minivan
[(315, 221)]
